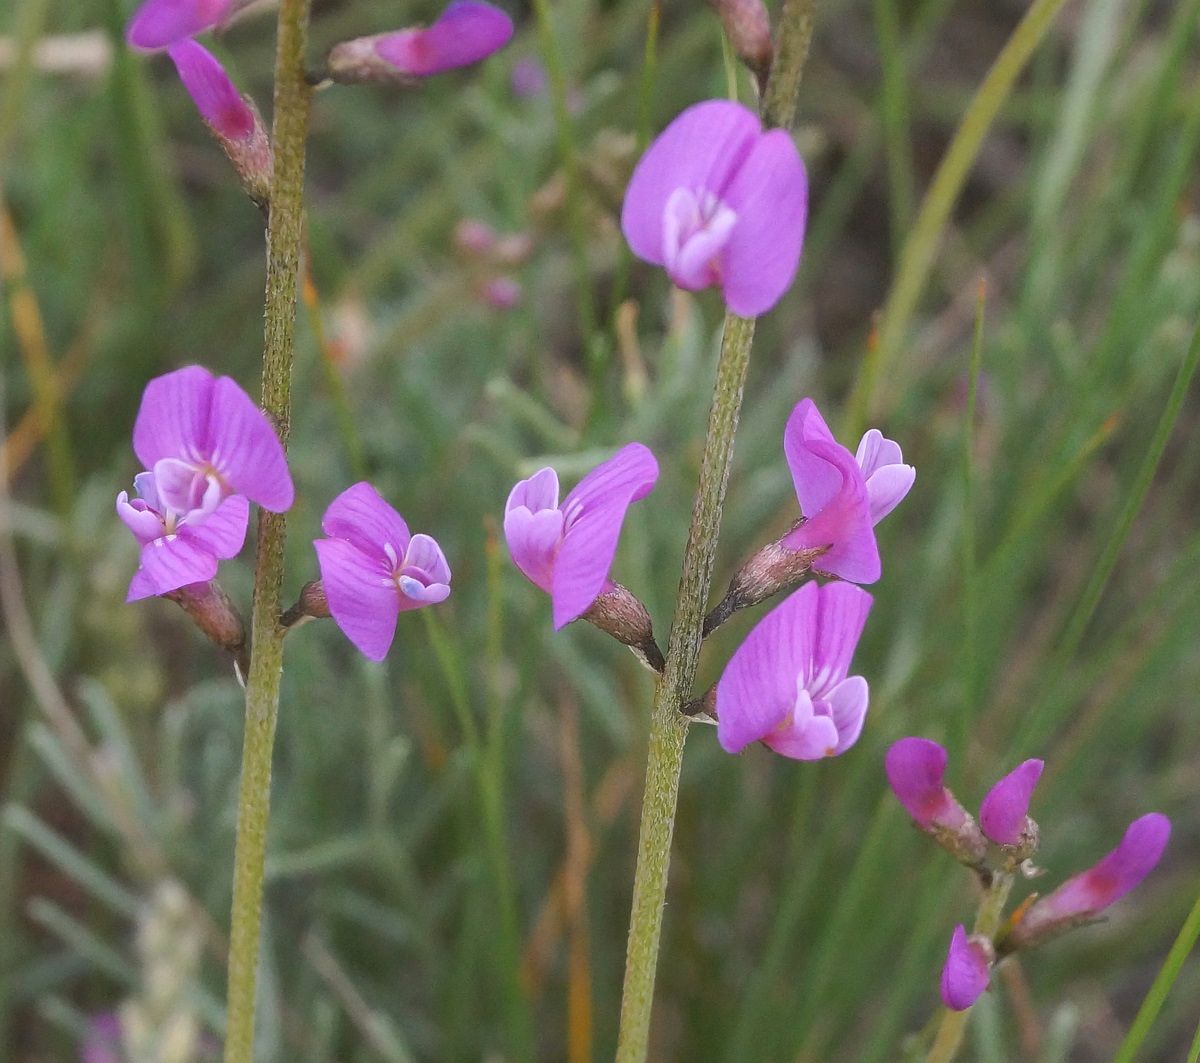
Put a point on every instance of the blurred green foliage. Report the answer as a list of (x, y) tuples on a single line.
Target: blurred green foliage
[(422, 811)]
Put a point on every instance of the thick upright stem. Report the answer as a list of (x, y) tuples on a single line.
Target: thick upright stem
[(292, 98), (668, 727)]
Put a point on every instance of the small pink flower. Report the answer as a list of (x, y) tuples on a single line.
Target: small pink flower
[(787, 685), (717, 201), (503, 293), (967, 971), (215, 95), (568, 550), (160, 23), (1082, 898), (1006, 806), (372, 569), (102, 1041), (841, 496), (466, 32), (916, 771)]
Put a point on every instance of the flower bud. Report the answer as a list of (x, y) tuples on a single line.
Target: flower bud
[(1081, 899), (232, 118), (1004, 812), (967, 970), (621, 614), (916, 768), (749, 31)]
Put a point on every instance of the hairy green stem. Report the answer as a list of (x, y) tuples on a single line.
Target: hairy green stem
[(292, 99), (987, 922), (668, 727)]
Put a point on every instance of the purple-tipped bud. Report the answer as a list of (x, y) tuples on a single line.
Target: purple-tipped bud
[(231, 117), (1081, 899), (502, 293), (466, 32), (749, 31), (158, 24), (916, 769), (967, 970), (1004, 814)]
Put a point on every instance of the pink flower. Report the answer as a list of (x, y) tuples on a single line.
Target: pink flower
[(568, 550), (216, 97), (1082, 898), (372, 569), (209, 450), (841, 496), (717, 201), (466, 32), (102, 1041), (967, 971), (787, 684), (916, 770), (1005, 809), (160, 23)]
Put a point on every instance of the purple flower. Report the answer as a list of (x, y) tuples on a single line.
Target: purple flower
[(372, 569), (466, 32), (160, 23), (216, 97), (179, 548), (841, 496), (1082, 898), (1006, 806), (102, 1042), (205, 439), (715, 200), (568, 550), (528, 77), (916, 770), (787, 684), (966, 973)]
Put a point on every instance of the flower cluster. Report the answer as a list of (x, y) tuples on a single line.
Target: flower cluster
[(208, 451), (916, 769), (466, 32)]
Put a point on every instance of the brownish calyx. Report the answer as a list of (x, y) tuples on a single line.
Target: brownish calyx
[(769, 571), (252, 157), (620, 613), (705, 704), (311, 605), (214, 613), (358, 62)]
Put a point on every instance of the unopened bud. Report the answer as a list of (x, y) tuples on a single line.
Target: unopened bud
[(749, 31), (620, 613), (769, 571), (212, 611), (474, 237), (311, 605), (1004, 813), (232, 118)]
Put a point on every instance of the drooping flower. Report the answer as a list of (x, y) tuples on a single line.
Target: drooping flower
[(179, 547), (232, 118), (372, 569), (204, 439), (787, 685), (841, 496), (465, 32), (158, 24), (715, 200), (1004, 813), (967, 970), (916, 772), (568, 549), (1083, 897)]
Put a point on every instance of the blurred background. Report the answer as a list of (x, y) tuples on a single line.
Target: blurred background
[(453, 833)]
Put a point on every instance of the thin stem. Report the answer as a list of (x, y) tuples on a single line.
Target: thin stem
[(292, 99), (668, 727), (987, 922)]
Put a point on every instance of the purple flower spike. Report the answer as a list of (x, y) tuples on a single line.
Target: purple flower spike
[(916, 770), (568, 550), (216, 97), (787, 684), (1006, 806), (466, 32), (1082, 898), (372, 569), (717, 201), (205, 439), (158, 24), (966, 973)]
